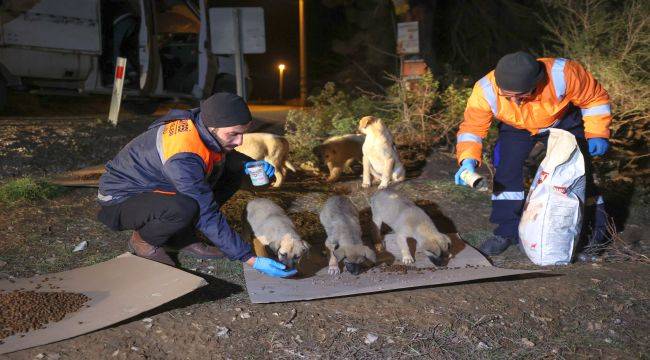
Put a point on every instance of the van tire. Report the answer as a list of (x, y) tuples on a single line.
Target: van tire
[(3, 94)]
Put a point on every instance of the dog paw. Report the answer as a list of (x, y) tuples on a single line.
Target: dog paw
[(365, 185), (333, 270), (407, 259)]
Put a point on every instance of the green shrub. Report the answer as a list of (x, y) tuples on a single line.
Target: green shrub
[(28, 189)]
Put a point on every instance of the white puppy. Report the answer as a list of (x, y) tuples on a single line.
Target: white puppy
[(270, 147), (380, 158), (340, 219), (407, 220), (273, 228)]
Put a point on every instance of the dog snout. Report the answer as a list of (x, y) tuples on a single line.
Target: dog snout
[(353, 268), (438, 260)]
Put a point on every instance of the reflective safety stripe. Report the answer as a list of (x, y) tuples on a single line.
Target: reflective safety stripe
[(102, 197), (604, 109), (469, 137), (509, 195), (159, 145), (488, 91), (557, 73)]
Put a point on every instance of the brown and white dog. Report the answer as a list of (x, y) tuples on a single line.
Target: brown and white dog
[(270, 147), (339, 152), (380, 158)]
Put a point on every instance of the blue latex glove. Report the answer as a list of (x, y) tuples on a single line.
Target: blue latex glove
[(467, 164), (268, 168), (272, 268), (598, 146)]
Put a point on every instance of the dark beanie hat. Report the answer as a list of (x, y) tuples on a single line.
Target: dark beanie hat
[(518, 72), (224, 110)]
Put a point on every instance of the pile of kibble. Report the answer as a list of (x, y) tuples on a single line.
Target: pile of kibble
[(21, 311)]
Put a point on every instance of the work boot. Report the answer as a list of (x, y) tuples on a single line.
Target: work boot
[(495, 245), (141, 248), (201, 250)]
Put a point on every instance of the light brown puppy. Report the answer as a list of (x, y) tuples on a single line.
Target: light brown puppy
[(270, 147), (380, 158), (339, 152)]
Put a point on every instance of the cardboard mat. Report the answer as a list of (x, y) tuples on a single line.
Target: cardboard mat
[(86, 177), (466, 264), (118, 289)]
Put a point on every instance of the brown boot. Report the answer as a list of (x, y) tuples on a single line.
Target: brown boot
[(141, 248), (202, 251)]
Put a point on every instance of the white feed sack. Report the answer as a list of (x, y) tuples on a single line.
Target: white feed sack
[(552, 218)]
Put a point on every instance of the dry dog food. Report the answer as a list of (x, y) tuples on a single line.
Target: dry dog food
[(22, 311)]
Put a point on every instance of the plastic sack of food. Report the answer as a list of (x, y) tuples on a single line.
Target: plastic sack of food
[(550, 224)]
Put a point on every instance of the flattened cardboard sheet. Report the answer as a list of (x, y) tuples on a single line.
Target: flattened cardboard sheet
[(466, 264), (86, 177), (118, 289)]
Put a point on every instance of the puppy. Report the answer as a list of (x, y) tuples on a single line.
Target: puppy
[(340, 219), (407, 220), (339, 152), (272, 148), (380, 158), (273, 228)]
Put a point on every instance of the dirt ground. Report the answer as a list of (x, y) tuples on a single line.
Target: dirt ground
[(591, 310)]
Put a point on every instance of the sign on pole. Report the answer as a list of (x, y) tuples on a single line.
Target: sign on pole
[(408, 40), (116, 99)]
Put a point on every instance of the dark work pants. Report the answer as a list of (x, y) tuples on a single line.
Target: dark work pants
[(510, 153), (158, 217)]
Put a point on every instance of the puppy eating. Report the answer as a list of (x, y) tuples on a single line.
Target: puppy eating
[(339, 152), (380, 158), (407, 220), (340, 219), (273, 228), (270, 147)]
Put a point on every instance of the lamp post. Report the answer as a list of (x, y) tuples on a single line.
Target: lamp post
[(281, 68)]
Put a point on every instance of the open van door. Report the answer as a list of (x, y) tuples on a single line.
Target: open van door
[(147, 50)]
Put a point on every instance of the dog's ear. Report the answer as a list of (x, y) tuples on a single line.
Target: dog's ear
[(365, 121), (369, 254)]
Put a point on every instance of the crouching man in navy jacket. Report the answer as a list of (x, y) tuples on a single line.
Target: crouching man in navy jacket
[(173, 179)]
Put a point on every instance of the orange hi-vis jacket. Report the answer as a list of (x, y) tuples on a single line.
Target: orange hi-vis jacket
[(566, 83)]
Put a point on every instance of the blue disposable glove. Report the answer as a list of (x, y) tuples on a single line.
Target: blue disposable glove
[(598, 146), (467, 164), (268, 168), (272, 268)]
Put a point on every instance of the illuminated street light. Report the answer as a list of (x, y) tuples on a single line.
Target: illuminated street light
[(281, 68)]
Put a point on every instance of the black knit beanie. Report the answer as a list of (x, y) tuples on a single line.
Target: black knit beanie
[(224, 110), (518, 72)]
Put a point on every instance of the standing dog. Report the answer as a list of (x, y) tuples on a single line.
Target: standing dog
[(273, 228), (272, 148), (340, 219), (339, 152), (380, 158), (407, 220)]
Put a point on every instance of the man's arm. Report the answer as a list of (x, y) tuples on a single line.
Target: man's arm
[(584, 91), (474, 127), (186, 172)]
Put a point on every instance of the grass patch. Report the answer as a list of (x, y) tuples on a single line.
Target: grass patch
[(28, 189)]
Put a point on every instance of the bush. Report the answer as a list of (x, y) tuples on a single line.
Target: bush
[(28, 189), (612, 39)]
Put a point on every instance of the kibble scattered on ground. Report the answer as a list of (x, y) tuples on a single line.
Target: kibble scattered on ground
[(22, 311)]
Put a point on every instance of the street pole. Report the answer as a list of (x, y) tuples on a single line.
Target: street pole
[(239, 56), (281, 81), (303, 53)]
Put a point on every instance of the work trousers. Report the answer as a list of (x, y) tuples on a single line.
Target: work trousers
[(159, 217), (511, 151)]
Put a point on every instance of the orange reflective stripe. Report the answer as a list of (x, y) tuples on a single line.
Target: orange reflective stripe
[(181, 136), (165, 192)]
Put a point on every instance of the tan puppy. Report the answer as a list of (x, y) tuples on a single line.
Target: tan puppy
[(407, 220), (339, 152), (272, 148), (340, 219), (273, 228), (380, 158)]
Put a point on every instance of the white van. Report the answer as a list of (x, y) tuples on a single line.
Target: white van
[(71, 45)]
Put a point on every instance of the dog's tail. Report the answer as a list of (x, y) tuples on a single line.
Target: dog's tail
[(289, 166)]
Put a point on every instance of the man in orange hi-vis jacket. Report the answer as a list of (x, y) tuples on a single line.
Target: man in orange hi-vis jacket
[(528, 96)]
